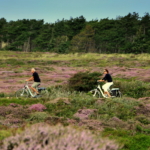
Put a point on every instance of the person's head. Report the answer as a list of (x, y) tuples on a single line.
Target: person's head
[(106, 71), (32, 70)]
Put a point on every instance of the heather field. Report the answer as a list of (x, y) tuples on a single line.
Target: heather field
[(72, 120)]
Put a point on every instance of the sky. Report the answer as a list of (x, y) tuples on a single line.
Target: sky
[(52, 10)]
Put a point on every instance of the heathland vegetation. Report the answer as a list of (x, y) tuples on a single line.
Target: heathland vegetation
[(125, 34), (70, 118)]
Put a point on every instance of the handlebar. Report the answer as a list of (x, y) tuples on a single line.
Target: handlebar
[(26, 82)]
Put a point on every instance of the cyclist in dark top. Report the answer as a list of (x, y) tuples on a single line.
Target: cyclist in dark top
[(108, 79), (36, 79)]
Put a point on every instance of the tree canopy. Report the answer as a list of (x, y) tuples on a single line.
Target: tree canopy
[(125, 34)]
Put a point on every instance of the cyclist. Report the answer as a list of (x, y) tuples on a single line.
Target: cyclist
[(36, 79), (108, 79)]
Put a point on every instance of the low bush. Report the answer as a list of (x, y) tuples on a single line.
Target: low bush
[(37, 107), (17, 112), (45, 137), (4, 134), (122, 108), (77, 100), (143, 119), (2, 95), (136, 141), (134, 88), (84, 81), (38, 116)]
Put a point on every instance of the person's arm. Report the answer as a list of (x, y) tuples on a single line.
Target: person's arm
[(30, 79), (102, 80)]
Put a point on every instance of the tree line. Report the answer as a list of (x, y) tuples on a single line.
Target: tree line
[(125, 34)]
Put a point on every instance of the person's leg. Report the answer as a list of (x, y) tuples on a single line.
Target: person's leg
[(106, 88), (108, 94), (34, 86)]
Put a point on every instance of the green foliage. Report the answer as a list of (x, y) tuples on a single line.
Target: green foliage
[(76, 101), (61, 110), (38, 116), (7, 101), (83, 81), (133, 88), (4, 134), (70, 101), (125, 34), (121, 108), (141, 129), (15, 62), (2, 94), (138, 141), (143, 119), (86, 40)]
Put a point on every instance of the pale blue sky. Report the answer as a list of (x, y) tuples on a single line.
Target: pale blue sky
[(51, 10)]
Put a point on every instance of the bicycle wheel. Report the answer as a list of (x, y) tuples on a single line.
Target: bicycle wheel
[(119, 94), (22, 93), (44, 93), (95, 93)]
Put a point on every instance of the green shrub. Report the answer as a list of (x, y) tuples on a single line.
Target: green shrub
[(138, 141), (4, 134), (38, 116), (134, 88), (141, 129), (121, 108), (15, 62), (77, 100), (2, 95), (83, 81), (43, 136), (143, 119)]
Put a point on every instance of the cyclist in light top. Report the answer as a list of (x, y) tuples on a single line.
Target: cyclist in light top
[(108, 79), (36, 79)]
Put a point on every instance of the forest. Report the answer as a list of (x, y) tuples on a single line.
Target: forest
[(125, 34)]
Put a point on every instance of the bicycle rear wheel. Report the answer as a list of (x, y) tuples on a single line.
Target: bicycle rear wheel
[(22, 93), (119, 94), (44, 93), (95, 93)]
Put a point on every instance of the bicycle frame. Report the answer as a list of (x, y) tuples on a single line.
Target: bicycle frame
[(28, 89), (99, 87), (99, 90)]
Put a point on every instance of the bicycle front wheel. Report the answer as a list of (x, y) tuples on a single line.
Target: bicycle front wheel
[(96, 93), (22, 93)]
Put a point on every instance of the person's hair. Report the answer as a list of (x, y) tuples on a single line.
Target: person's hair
[(33, 69), (107, 70)]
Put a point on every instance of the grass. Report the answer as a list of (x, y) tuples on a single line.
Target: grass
[(123, 108), (6, 101), (138, 141), (16, 58)]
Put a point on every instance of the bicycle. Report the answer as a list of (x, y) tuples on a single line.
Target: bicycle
[(98, 92), (25, 92)]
